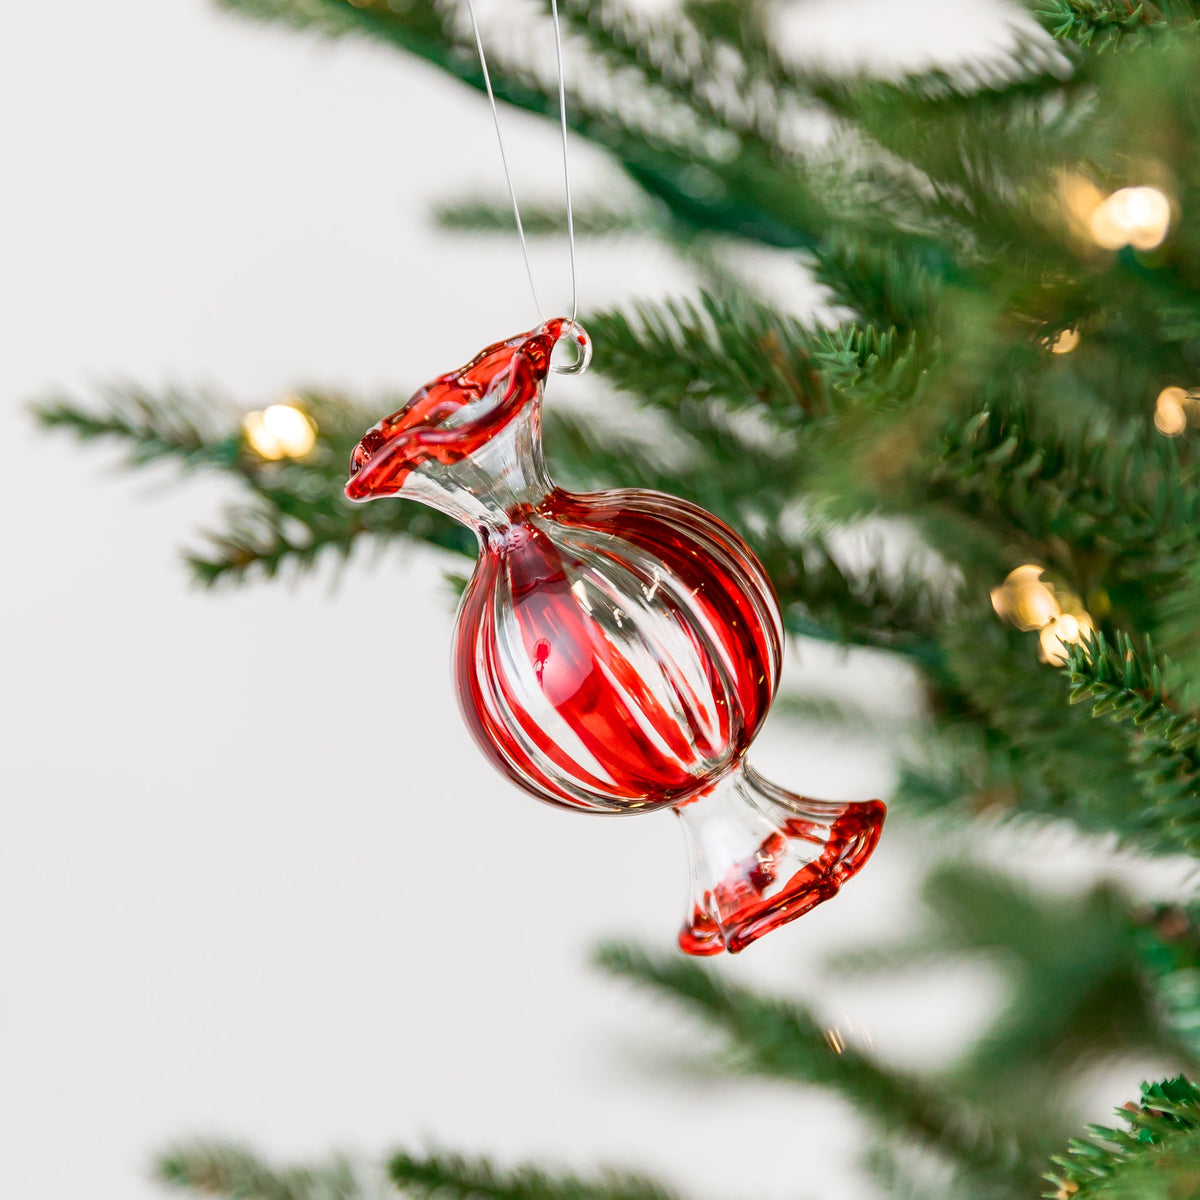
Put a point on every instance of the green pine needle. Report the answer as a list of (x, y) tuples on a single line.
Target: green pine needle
[(734, 350), (1155, 1156), (1106, 24), (591, 219), (229, 1171), (1078, 988), (782, 1040), (194, 430), (1126, 682), (294, 514), (454, 1177)]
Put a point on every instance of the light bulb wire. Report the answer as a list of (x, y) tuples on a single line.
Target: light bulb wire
[(512, 192)]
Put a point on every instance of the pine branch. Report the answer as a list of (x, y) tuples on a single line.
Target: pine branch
[(268, 539), (1022, 65), (721, 59), (297, 517), (296, 514), (1071, 488), (873, 368), (886, 290), (972, 909), (454, 1177), (1156, 1156), (1079, 986), (665, 49), (950, 157), (232, 1172), (893, 1179), (861, 606), (1127, 683), (836, 712), (195, 430), (1175, 618), (734, 350), (1007, 746), (743, 193), (1168, 941), (1105, 24), (680, 53), (587, 454), (784, 1041), (591, 219)]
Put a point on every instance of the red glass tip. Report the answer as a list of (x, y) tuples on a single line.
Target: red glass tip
[(746, 912), (416, 433)]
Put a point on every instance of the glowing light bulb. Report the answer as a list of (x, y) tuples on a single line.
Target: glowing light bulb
[(1065, 630), (280, 431), (1170, 411), (1024, 600), (1065, 342), (1134, 216)]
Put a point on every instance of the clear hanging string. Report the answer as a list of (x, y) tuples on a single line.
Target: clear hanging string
[(583, 345)]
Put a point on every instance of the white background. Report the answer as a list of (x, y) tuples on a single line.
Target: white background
[(254, 879)]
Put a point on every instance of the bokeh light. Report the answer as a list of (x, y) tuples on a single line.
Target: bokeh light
[(1065, 342), (1065, 630), (280, 431), (1133, 216), (1024, 600), (1171, 411)]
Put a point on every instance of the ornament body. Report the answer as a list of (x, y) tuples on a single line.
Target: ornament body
[(615, 652)]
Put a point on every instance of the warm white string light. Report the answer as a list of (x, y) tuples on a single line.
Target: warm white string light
[(1170, 411), (1025, 600), (1065, 342), (280, 431), (1139, 216), (1132, 216)]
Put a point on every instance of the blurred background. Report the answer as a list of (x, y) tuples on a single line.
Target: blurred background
[(241, 893)]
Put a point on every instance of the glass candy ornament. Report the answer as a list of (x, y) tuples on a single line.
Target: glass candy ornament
[(615, 652)]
